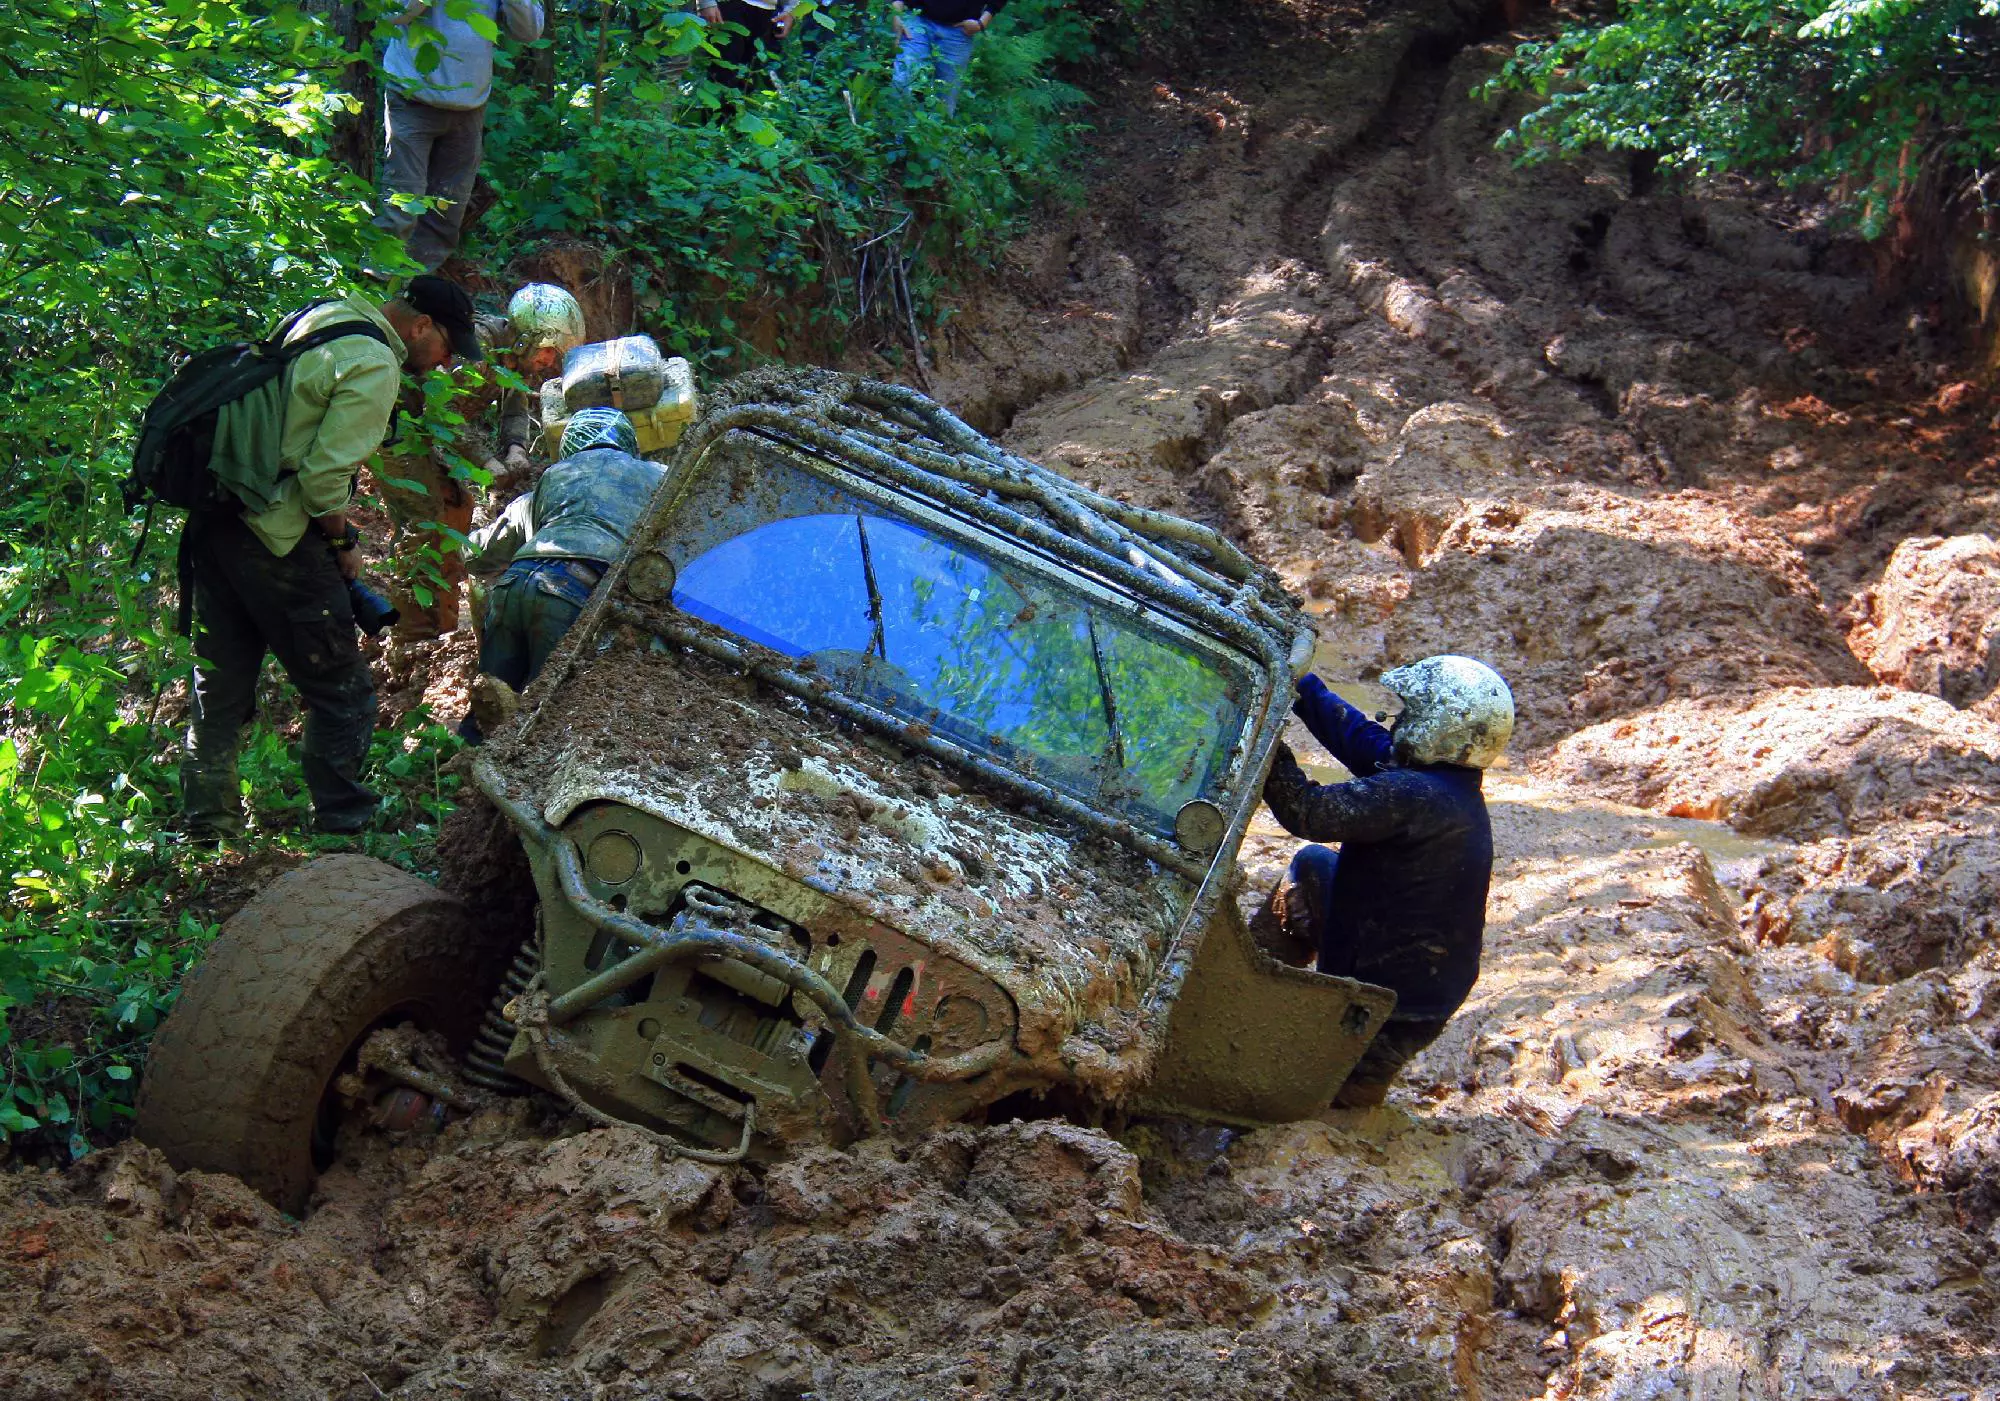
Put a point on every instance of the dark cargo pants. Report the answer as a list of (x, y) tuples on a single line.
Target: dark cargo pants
[(248, 601), (737, 53), (431, 152), (1300, 903)]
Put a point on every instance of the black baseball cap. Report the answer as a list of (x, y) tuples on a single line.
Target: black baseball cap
[(446, 303)]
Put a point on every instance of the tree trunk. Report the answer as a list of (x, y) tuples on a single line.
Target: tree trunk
[(356, 135)]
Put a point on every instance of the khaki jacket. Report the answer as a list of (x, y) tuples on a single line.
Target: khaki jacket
[(337, 413)]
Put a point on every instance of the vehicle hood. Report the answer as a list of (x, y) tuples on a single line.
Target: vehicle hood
[(1072, 926)]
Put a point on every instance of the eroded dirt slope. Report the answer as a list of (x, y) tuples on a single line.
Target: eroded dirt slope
[(1722, 1118)]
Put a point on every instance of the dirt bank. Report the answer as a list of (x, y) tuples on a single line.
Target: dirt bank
[(1722, 1118)]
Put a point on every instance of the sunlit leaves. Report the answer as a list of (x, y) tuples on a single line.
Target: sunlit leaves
[(1863, 97), (729, 207)]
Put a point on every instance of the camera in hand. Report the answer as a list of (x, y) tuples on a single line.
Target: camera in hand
[(372, 612)]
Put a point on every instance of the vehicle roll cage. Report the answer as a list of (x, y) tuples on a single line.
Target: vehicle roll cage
[(1187, 570)]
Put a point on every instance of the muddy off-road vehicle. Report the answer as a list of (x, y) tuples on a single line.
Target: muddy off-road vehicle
[(887, 777)]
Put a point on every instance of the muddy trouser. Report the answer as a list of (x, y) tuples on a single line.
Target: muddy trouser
[(248, 601), (528, 610), (438, 497), (1302, 902), (433, 152)]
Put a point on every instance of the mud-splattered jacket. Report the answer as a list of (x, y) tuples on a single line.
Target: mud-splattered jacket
[(1416, 857), (585, 507)]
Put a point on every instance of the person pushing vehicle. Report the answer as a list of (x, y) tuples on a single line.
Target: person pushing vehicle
[(1402, 904), (555, 544)]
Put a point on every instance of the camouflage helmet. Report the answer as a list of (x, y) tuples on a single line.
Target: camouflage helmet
[(599, 428), (1455, 711), (543, 314)]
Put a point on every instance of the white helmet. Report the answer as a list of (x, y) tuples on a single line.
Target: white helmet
[(1455, 711), (543, 314)]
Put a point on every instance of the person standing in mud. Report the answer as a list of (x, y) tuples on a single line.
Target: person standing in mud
[(275, 580), (555, 544), (543, 324), (1402, 904)]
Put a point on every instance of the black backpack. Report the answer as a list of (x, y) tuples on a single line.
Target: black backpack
[(170, 465)]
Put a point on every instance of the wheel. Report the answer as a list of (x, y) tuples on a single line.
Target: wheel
[(239, 1074)]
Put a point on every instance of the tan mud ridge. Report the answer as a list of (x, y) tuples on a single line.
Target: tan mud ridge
[(1721, 1118)]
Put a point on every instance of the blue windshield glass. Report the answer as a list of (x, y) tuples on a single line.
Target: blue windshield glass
[(999, 660)]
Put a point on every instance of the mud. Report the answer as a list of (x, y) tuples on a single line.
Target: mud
[(674, 734), (1722, 1117)]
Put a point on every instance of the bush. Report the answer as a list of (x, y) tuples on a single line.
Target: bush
[(1868, 99), (739, 208)]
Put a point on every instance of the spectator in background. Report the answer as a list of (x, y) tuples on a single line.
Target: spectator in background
[(436, 120), (938, 34), (762, 23)]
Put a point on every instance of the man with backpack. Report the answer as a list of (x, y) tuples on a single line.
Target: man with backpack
[(271, 557)]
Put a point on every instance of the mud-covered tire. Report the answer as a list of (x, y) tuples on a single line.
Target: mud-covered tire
[(239, 1070)]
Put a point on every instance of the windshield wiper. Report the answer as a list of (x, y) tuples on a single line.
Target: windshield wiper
[(1104, 690), (878, 643)]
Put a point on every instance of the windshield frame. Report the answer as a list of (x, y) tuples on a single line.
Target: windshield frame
[(925, 495), (1111, 784)]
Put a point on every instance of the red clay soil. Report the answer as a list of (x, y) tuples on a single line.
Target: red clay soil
[(1722, 1117)]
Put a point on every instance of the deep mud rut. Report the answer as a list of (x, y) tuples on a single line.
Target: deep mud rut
[(1722, 1118)]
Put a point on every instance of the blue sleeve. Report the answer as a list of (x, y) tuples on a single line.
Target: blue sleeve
[(1362, 746)]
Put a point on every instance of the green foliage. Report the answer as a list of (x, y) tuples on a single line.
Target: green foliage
[(443, 433), (732, 207), (92, 953), (1861, 96), (164, 184)]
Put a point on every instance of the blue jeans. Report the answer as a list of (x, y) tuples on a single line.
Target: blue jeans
[(942, 47), (527, 613)]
